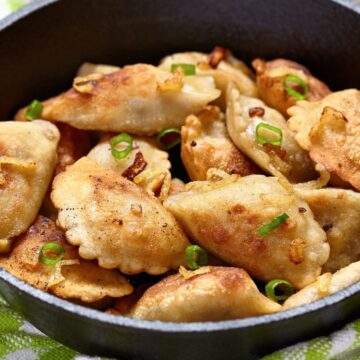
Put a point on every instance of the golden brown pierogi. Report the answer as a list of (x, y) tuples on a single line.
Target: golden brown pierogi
[(325, 285), (329, 130), (209, 294), (224, 218), (243, 115), (83, 280), (227, 69), (73, 143), (270, 77), (27, 162), (337, 211), (205, 144), (116, 222), (145, 155), (140, 99)]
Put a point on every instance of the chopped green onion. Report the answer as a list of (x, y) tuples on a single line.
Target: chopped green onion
[(291, 91), (268, 134), (34, 110), (284, 286), (273, 224), (195, 257), (54, 248), (168, 138), (118, 139), (188, 69)]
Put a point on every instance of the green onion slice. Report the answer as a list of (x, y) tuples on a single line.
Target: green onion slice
[(277, 285), (119, 139), (53, 248), (268, 134), (188, 69), (273, 224), (168, 138), (195, 257), (289, 87), (34, 110)]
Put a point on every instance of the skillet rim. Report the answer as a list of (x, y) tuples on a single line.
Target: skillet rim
[(161, 326)]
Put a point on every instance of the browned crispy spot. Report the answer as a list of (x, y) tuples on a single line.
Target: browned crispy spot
[(216, 56), (216, 232), (297, 250), (256, 111), (275, 150), (233, 279), (237, 209), (327, 226), (136, 168), (255, 245)]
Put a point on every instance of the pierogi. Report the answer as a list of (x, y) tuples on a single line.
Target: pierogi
[(224, 218), (27, 162), (115, 222)]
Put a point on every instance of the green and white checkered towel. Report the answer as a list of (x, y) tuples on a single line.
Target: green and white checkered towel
[(19, 340)]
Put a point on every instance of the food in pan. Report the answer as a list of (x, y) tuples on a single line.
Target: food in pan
[(328, 130), (326, 284), (262, 134), (205, 144), (116, 222), (224, 217), (222, 66), (140, 99), (72, 277), (263, 217), (282, 82), (214, 293), (337, 212), (145, 155), (27, 161)]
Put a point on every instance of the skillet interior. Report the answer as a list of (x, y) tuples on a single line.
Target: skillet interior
[(40, 53)]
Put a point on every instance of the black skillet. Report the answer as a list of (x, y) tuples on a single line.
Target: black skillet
[(42, 45)]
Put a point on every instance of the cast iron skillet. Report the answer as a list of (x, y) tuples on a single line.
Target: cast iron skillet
[(41, 47)]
